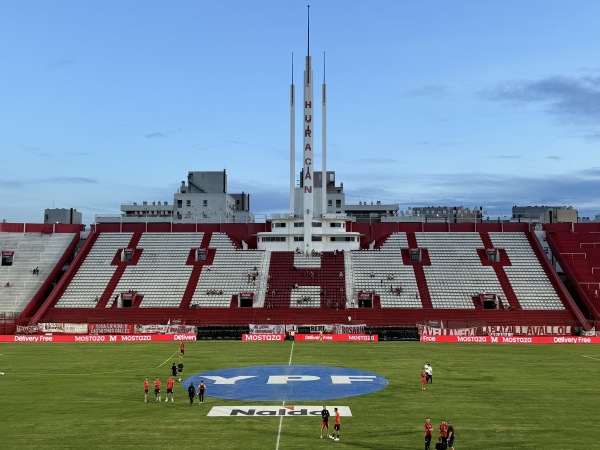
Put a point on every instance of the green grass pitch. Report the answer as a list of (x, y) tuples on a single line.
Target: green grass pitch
[(86, 396)]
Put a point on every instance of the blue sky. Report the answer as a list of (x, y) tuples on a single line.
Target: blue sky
[(429, 102)]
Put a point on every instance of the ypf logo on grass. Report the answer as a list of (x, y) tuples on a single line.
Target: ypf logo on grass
[(288, 383)]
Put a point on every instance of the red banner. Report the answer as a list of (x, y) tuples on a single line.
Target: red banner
[(338, 337), (99, 338), (263, 337), (514, 339)]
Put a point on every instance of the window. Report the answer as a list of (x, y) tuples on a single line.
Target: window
[(204, 202), (338, 203), (274, 239), (279, 225), (188, 203), (343, 239), (330, 202), (317, 224), (335, 225), (298, 238), (317, 238), (298, 224)]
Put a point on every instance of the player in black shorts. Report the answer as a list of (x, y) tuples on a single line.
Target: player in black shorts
[(179, 370), (174, 370)]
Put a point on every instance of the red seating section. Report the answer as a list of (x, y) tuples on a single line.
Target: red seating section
[(282, 276)]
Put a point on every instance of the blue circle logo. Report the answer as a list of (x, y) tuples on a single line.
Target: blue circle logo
[(287, 383)]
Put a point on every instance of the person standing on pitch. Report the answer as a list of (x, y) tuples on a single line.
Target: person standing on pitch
[(444, 432), (336, 427), (428, 428), (181, 349), (146, 390), (201, 390), (157, 389), (170, 383), (179, 370), (450, 442), (324, 421), (191, 393), (428, 372), (173, 370)]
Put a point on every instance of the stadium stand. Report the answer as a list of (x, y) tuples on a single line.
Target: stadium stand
[(456, 274), (527, 278), (36, 255), (161, 274), (576, 248), (383, 272), (289, 287), (232, 271), (90, 281)]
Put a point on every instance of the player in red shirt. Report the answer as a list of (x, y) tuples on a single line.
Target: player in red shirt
[(336, 427), (157, 389), (423, 380), (428, 428), (444, 432), (170, 383), (146, 390), (182, 349)]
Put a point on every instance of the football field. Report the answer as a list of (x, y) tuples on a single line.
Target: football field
[(77, 395)]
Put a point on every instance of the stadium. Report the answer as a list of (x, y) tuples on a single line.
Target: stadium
[(347, 293)]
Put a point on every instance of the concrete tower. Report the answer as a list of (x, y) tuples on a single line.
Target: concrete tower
[(324, 145), (308, 159), (292, 140)]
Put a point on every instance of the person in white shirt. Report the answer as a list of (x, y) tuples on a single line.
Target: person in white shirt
[(428, 372)]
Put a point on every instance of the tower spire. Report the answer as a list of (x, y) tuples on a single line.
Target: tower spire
[(308, 48)]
